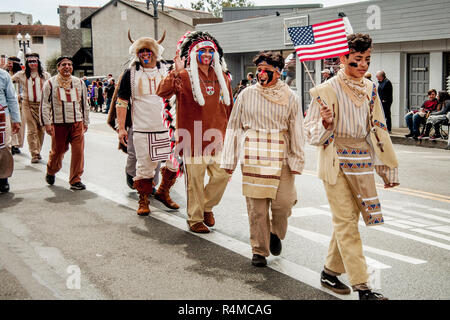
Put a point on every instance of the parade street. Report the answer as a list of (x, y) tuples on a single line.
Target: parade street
[(50, 234)]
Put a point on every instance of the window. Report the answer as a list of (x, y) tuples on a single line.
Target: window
[(37, 40)]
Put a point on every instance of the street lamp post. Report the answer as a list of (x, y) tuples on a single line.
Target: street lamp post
[(24, 44), (155, 12)]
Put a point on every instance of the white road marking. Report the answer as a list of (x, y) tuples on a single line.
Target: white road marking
[(429, 216), (394, 213), (412, 223), (432, 234), (325, 240), (413, 237), (445, 229), (425, 222), (398, 225), (308, 211), (441, 210)]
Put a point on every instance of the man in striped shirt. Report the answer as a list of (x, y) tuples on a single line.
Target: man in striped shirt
[(65, 114), (268, 116), (345, 121)]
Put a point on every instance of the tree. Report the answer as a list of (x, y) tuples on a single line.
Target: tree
[(216, 6), (38, 22), (51, 64)]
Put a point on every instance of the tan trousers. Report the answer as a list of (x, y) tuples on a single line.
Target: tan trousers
[(345, 253), (65, 134), (17, 139), (35, 132), (261, 224), (201, 198)]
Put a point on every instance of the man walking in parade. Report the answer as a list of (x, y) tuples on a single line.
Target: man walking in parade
[(137, 97), (32, 81), (13, 67), (345, 120), (65, 114), (273, 153), (204, 101), (9, 124)]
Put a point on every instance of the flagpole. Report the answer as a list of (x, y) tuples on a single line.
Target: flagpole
[(307, 70), (304, 64)]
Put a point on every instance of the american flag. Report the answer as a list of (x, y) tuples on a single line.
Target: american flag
[(320, 41)]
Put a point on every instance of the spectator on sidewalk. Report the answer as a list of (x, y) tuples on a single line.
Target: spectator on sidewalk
[(100, 97), (435, 119), (385, 92), (415, 117), (326, 74), (65, 125), (109, 90), (9, 123), (251, 78)]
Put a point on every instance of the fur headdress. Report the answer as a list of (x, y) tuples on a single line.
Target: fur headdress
[(188, 47), (147, 43)]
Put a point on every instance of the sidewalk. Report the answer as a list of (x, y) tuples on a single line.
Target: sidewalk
[(398, 137)]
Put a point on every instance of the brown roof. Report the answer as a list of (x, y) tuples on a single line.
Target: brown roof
[(33, 30)]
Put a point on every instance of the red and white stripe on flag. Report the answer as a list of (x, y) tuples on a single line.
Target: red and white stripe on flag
[(330, 40)]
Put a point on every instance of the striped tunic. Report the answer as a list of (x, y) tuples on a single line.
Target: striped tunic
[(353, 122), (58, 106), (254, 112)]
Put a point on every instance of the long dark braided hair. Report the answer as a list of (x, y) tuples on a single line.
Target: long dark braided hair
[(27, 66)]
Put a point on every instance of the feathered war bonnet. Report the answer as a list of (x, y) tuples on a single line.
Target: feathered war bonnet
[(188, 46), (147, 43)]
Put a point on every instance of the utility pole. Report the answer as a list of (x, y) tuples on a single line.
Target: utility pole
[(155, 13)]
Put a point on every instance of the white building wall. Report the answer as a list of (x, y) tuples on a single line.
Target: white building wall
[(10, 47), (14, 18), (436, 70)]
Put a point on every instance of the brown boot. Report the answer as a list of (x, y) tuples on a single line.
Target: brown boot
[(199, 227), (168, 180), (144, 188), (208, 219)]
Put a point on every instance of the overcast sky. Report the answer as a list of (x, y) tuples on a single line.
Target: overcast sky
[(46, 10)]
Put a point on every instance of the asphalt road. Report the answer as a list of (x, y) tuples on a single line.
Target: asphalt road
[(50, 235)]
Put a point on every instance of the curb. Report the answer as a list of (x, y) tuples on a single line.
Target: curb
[(427, 143)]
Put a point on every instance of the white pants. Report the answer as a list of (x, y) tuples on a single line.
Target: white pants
[(145, 167)]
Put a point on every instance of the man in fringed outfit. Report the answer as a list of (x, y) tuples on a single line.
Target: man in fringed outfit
[(204, 101), (346, 121), (137, 98), (9, 124), (267, 121), (32, 81), (64, 112)]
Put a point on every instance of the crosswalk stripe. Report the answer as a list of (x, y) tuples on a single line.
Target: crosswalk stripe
[(413, 237), (440, 210), (429, 216), (325, 240), (432, 234), (445, 229)]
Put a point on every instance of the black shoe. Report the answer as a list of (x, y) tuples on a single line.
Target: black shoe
[(50, 179), (369, 295), (15, 150), (259, 261), (77, 186), (333, 283), (129, 181), (409, 135), (4, 185), (275, 244)]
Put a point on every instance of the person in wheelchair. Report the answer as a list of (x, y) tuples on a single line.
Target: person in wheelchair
[(435, 119), (415, 117)]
